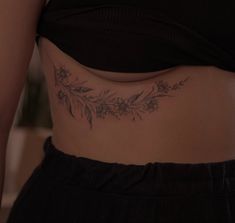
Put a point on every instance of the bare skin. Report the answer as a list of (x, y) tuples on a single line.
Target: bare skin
[(184, 114)]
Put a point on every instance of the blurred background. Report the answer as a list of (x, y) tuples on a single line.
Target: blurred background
[(32, 124)]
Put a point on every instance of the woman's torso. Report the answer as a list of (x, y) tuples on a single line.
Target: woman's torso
[(183, 114)]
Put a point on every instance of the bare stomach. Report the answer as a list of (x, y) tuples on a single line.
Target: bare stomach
[(183, 115)]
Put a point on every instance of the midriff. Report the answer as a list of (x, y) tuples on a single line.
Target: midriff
[(183, 114)]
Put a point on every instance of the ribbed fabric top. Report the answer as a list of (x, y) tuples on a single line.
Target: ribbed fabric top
[(142, 35)]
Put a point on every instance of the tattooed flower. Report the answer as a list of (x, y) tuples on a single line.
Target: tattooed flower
[(102, 110), (62, 74), (122, 106), (163, 86), (61, 95), (151, 105), (175, 86)]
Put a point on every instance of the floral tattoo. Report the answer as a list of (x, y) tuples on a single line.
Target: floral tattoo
[(76, 97)]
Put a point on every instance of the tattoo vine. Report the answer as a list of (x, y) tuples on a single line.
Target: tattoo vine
[(76, 97)]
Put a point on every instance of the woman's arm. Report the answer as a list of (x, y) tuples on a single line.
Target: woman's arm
[(18, 22)]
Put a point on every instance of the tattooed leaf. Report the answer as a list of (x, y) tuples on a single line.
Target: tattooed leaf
[(84, 89), (133, 98), (140, 117), (88, 114), (163, 95), (109, 96), (106, 91), (69, 106), (78, 89)]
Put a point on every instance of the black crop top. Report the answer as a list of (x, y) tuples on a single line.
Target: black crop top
[(142, 35)]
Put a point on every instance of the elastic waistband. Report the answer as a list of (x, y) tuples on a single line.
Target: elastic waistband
[(153, 178)]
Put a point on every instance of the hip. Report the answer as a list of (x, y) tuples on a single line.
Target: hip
[(65, 188)]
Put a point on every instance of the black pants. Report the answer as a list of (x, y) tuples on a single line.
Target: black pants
[(69, 189)]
